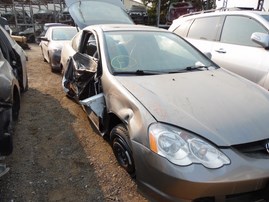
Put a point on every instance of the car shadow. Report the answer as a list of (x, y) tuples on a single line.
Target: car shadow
[(48, 162)]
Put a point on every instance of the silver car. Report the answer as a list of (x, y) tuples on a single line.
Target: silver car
[(237, 40), (186, 129), (51, 44)]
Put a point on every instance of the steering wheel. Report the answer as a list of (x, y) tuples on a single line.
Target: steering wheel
[(123, 62)]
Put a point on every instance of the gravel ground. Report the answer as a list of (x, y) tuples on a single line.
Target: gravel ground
[(57, 155)]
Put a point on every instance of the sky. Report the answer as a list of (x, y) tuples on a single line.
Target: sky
[(243, 3)]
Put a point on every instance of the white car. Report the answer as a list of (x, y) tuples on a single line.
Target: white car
[(237, 40), (51, 44)]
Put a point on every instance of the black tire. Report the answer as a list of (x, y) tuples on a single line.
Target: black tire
[(43, 55), (121, 149), (6, 133), (53, 70), (26, 87), (15, 106)]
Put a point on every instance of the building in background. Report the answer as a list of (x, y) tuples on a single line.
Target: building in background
[(129, 3)]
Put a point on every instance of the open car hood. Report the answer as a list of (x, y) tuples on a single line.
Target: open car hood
[(92, 12)]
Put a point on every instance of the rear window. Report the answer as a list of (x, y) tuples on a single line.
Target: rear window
[(205, 28)]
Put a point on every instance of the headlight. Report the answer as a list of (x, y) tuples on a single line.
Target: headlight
[(184, 148)]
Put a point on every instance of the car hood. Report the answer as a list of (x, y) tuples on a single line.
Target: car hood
[(92, 12), (222, 107)]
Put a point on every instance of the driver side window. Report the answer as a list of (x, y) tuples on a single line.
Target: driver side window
[(90, 47)]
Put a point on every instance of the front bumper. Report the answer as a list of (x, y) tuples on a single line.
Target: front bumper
[(245, 179), (55, 60)]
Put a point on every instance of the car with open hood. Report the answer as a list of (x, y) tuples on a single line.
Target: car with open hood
[(184, 128), (52, 43)]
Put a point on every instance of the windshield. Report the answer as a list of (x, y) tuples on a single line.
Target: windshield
[(97, 12), (266, 17), (159, 52)]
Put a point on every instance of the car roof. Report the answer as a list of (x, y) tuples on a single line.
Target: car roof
[(230, 11), (62, 27), (126, 27)]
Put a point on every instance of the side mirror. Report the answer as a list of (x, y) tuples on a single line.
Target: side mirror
[(208, 55), (261, 39), (44, 39)]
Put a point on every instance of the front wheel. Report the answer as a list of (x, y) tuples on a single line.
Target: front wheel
[(121, 149), (43, 55)]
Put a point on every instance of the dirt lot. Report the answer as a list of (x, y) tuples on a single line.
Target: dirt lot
[(57, 155)]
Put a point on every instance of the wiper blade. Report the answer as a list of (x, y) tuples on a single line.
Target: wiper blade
[(140, 72), (201, 67), (190, 68), (148, 72)]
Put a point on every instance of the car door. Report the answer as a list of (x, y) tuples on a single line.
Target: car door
[(204, 32), (236, 52), (82, 78)]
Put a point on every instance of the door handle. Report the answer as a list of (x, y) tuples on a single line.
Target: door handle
[(221, 50)]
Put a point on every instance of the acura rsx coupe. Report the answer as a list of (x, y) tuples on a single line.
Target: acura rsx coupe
[(185, 128)]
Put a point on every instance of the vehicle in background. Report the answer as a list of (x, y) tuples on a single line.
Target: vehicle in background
[(16, 57), (177, 9), (139, 14), (31, 33), (65, 17), (21, 40), (44, 16), (238, 40), (9, 107), (13, 17), (51, 44), (45, 28)]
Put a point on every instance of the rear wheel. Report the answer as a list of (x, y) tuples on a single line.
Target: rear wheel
[(15, 106), (121, 149), (50, 63), (6, 131), (43, 55)]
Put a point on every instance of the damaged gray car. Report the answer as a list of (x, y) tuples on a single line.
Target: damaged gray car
[(185, 128), (181, 126)]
